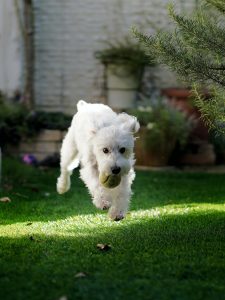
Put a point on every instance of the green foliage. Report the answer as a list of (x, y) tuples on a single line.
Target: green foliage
[(195, 51), (12, 122), (213, 109), (218, 141), (219, 4), (126, 53), (16, 122), (165, 125), (38, 120)]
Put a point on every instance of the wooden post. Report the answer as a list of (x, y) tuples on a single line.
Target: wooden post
[(29, 53)]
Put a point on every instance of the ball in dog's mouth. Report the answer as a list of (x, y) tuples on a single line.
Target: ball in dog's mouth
[(109, 181)]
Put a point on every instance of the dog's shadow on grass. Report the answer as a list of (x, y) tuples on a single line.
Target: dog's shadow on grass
[(170, 257)]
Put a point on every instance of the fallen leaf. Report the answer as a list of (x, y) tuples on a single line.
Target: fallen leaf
[(80, 275), (104, 247), (5, 199), (63, 298)]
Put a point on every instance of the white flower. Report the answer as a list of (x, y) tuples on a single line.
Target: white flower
[(150, 126), (148, 109), (143, 108)]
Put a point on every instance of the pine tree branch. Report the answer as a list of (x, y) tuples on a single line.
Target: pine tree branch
[(220, 68), (212, 109), (202, 32), (219, 4), (170, 50), (196, 52)]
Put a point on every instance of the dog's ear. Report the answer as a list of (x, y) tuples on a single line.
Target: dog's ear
[(129, 123)]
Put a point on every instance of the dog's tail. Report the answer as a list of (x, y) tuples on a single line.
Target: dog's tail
[(81, 104)]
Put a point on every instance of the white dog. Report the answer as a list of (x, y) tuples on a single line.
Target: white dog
[(102, 142)]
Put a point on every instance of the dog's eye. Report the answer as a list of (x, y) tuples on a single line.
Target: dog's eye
[(122, 150), (105, 150)]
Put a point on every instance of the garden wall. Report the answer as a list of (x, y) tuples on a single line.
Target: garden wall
[(47, 143), (67, 33)]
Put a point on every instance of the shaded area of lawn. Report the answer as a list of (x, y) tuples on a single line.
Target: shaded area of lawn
[(171, 245)]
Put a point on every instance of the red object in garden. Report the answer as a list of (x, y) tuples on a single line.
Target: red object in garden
[(181, 99), (199, 151)]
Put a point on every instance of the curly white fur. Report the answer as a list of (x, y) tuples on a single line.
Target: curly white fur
[(95, 127)]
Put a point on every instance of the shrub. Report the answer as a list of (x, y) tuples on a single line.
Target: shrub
[(164, 125), (38, 120), (126, 53), (12, 122), (16, 122)]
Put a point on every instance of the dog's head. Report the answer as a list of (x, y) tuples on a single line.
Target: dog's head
[(114, 144)]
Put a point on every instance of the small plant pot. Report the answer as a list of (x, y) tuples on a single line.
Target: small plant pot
[(198, 154), (122, 85), (178, 93), (180, 98)]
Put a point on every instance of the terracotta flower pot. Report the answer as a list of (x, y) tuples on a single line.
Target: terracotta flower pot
[(177, 92), (146, 156), (180, 98)]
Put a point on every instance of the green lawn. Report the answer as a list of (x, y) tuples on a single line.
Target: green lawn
[(170, 246)]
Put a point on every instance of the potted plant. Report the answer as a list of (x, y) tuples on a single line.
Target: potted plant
[(124, 63), (162, 128)]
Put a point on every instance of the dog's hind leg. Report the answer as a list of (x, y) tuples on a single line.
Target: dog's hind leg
[(69, 161)]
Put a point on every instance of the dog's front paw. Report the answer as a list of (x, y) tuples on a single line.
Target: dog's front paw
[(101, 204), (119, 217), (63, 185), (116, 215)]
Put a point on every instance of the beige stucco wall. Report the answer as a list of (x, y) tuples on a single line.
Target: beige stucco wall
[(67, 33)]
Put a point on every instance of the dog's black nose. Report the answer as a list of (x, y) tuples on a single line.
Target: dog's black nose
[(116, 170)]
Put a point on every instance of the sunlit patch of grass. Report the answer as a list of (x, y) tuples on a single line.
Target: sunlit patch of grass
[(170, 246), (84, 225)]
